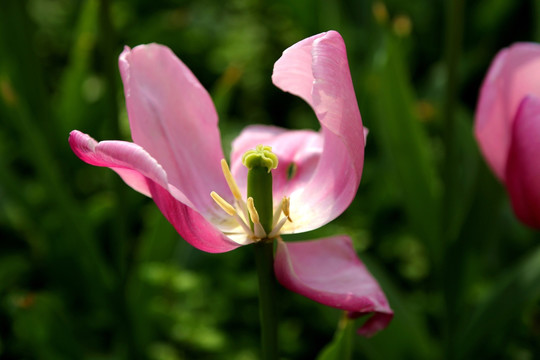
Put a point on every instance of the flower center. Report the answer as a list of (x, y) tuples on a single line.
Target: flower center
[(256, 215)]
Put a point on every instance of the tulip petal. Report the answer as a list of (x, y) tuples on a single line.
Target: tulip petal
[(298, 152), (122, 157), (329, 272), (173, 118), (513, 74), (143, 173), (523, 167), (316, 69), (191, 225)]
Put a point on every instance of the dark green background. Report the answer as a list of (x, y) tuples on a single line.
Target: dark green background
[(90, 269)]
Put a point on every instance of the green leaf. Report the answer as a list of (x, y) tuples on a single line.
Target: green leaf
[(403, 140), (341, 346), (494, 318), (464, 175), (408, 331), (75, 79)]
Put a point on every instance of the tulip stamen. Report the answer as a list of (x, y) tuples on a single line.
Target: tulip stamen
[(285, 204), (277, 213), (278, 224), (234, 188), (230, 180), (229, 209), (275, 231), (257, 226), (282, 208), (259, 163)]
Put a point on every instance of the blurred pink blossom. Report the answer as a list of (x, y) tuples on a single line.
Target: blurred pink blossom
[(507, 126)]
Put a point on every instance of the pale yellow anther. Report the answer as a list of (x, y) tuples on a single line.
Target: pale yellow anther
[(228, 208), (285, 203), (252, 211), (257, 226), (230, 180)]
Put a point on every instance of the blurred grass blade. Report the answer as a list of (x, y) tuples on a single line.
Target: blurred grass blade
[(408, 332), (456, 232), (22, 112), (493, 319), (465, 174), (48, 170), (453, 40), (341, 346), (404, 142), (70, 94)]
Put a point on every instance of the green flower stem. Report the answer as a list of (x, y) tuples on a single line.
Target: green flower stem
[(264, 258), (260, 163), (260, 189)]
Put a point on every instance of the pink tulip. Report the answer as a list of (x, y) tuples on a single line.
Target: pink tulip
[(507, 126), (176, 153)]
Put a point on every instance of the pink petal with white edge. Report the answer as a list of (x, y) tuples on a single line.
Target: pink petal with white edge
[(173, 118), (316, 69), (523, 167), (329, 272), (298, 152), (513, 74), (143, 173)]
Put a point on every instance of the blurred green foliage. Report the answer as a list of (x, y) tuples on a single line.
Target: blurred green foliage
[(89, 269)]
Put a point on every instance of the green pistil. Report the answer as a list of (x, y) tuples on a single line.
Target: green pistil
[(261, 156), (260, 162)]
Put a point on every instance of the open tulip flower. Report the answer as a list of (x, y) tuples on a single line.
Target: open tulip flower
[(176, 158), (507, 126)]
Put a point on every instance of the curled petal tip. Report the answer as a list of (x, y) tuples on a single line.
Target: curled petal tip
[(317, 70), (329, 272)]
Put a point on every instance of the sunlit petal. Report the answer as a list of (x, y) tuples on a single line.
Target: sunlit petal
[(173, 118), (317, 70), (143, 173)]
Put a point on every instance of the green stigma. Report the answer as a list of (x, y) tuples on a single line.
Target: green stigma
[(261, 156)]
